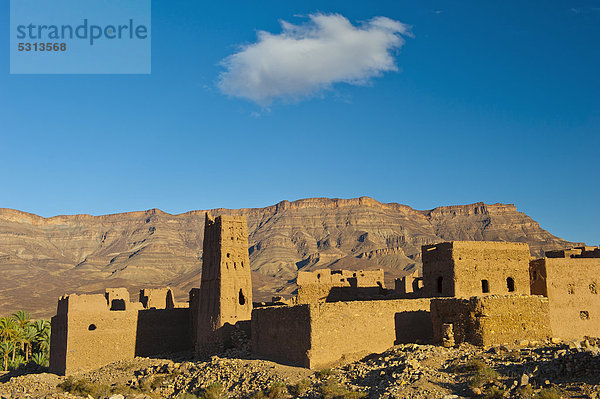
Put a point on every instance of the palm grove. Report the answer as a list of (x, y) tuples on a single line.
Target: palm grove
[(23, 341)]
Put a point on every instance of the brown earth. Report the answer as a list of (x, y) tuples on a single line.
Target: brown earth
[(549, 369), (43, 258)]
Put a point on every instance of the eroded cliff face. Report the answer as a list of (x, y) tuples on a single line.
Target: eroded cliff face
[(42, 258)]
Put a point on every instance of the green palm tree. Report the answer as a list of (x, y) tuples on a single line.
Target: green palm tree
[(9, 331), (8, 328), (42, 338), (40, 359), (28, 338), (22, 317), (41, 324), (6, 348), (19, 341), (17, 362), (23, 320)]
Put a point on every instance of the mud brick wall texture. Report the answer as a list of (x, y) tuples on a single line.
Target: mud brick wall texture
[(321, 335), (491, 320), (87, 334), (327, 285), (572, 286), (225, 296), (470, 268)]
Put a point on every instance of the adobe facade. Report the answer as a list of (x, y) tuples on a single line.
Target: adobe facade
[(328, 285), (475, 268), (490, 320), (320, 335), (570, 279), (90, 331)]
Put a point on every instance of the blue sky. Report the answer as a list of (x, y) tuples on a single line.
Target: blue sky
[(492, 101)]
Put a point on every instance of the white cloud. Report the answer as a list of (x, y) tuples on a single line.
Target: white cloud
[(305, 59)]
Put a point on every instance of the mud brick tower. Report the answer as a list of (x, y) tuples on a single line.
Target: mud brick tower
[(226, 286)]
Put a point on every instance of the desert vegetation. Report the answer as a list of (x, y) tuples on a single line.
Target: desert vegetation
[(23, 341)]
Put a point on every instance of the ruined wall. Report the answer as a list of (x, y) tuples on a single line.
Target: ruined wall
[(282, 334), (577, 252), (468, 268), (226, 286), (117, 298), (90, 331), (328, 285), (410, 285), (341, 278), (345, 331), (157, 298), (491, 320), (338, 331), (572, 286), (95, 336)]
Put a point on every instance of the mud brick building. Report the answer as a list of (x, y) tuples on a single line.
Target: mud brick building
[(483, 293), (90, 331), (472, 268), (328, 285), (570, 279)]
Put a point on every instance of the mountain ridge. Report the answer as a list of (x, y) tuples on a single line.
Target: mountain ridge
[(75, 253), (281, 205)]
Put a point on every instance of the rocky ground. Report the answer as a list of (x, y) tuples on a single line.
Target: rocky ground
[(528, 370)]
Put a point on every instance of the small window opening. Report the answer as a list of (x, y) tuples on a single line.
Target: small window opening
[(319, 275), (440, 282), (485, 286), (593, 288), (92, 327), (510, 284), (242, 263), (584, 315), (228, 255), (234, 265), (571, 289), (242, 298)]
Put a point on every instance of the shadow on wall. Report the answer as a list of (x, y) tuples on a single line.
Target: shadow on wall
[(337, 294), (413, 327), (228, 336), (162, 331)]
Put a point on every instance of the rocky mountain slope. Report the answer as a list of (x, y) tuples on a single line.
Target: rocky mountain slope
[(42, 258)]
